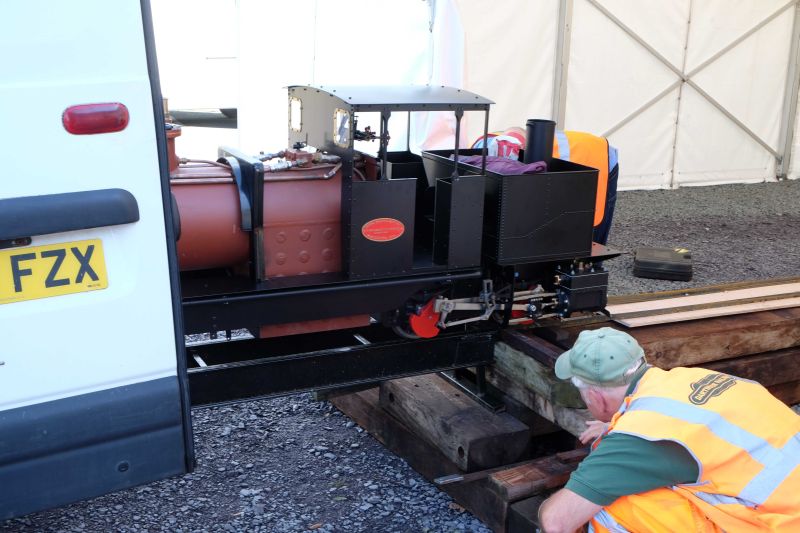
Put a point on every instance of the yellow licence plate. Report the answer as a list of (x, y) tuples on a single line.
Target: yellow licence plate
[(51, 270)]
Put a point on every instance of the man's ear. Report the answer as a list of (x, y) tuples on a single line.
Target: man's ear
[(594, 396), (601, 402), (604, 402)]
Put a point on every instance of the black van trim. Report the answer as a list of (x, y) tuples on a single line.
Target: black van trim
[(172, 252), (28, 216)]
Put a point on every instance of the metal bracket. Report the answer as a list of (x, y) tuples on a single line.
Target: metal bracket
[(475, 389), (486, 303)]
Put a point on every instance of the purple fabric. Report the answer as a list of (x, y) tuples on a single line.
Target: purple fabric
[(505, 166)]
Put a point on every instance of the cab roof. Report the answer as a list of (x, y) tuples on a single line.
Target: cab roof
[(401, 97)]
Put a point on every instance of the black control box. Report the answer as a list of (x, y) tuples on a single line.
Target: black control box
[(663, 263)]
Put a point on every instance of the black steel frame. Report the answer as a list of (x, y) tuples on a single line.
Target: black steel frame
[(260, 368)]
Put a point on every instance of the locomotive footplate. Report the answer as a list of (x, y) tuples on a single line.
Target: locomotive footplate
[(228, 305), (238, 370)]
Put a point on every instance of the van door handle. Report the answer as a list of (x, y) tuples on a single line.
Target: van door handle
[(27, 216)]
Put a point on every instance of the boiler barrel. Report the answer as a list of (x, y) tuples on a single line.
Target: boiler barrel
[(211, 223), (302, 209)]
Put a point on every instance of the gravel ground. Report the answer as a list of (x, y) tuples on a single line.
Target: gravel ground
[(293, 464), (735, 233), (284, 465)]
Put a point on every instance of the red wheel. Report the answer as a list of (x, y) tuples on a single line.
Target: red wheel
[(521, 314), (424, 323)]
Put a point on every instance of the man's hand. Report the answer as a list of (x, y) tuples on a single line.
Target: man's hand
[(594, 428)]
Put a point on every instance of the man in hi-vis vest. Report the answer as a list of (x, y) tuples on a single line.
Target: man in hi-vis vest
[(675, 451)]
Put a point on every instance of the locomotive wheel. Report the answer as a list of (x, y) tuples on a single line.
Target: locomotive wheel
[(402, 331), (424, 324)]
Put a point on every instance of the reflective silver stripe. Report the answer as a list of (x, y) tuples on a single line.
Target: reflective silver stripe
[(721, 499), (605, 519), (761, 450), (563, 145), (613, 157), (778, 464), (770, 478)]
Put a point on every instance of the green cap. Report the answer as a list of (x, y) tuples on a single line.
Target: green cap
[(600, 357)]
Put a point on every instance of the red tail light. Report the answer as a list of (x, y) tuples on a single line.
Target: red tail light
[(89, 119)]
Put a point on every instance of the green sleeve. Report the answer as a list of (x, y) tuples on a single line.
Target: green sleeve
[(624, 464)]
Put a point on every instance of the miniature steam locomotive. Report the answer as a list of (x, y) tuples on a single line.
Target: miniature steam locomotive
[(323, 236)]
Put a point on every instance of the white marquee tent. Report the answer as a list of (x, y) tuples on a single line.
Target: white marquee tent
[(692, 92)]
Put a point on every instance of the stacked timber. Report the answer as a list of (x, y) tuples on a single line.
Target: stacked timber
[(495, 460), (457, 447), (763, 347), (469, 435)]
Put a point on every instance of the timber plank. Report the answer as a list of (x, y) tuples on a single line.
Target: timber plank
[(467, 433), (714, 339), (364, 409), (772, 368), (531, 479), (536, 347), (702, 341), (707, 312), (649, 296), (571, 420), (727, 297), (521, 367), (523, 515)]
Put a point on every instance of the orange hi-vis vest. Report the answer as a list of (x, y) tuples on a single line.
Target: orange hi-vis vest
[(745, 441), (591, 151)]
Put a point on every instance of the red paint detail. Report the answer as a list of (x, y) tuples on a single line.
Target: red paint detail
[(424, 323), (383, 229), (313, 326), (521, 314), (90, 119)]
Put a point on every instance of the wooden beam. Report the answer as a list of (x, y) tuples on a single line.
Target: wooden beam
[(536, 347), (364, 409), (571, 420), (533, 478), (769, 369), (702, 341), (530, 373), (714, 339), (465, 432), (523, 516)]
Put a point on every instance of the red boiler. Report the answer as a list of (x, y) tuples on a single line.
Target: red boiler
[(302, 227)]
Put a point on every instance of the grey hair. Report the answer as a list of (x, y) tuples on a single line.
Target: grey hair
[(582, 385)]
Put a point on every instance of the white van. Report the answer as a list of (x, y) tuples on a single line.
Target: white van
[(93, 392)]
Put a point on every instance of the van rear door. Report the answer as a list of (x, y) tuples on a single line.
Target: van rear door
[(93, 392)]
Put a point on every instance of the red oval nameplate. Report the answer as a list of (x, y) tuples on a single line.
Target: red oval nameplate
[(383, 229)]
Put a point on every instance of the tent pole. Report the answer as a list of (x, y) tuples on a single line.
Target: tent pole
[(644, 107), (743, 37), (636, 37), (789, 117), (672, 181), (561, 64)]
